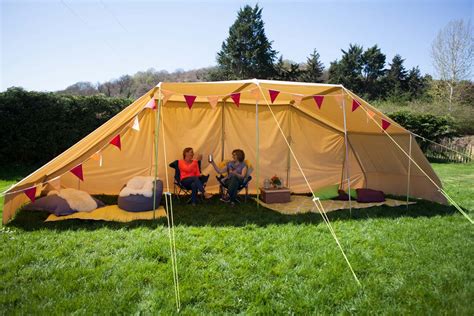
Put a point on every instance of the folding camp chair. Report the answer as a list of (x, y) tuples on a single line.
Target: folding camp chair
[(178, 188), (223, 190)]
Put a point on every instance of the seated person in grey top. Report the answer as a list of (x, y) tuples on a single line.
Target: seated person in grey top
[(236, 171)]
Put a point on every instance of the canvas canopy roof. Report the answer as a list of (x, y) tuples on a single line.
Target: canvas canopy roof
[(333, 135)]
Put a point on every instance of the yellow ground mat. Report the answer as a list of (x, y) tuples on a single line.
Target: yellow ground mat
[(304, 204), (110, 213)]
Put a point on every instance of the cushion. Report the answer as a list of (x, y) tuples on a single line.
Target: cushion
[(53, 204), (138, 185), (140, 202), (78, 200), (353, 194), (369, 195), (327, 193), (56, 205), (342, 196)]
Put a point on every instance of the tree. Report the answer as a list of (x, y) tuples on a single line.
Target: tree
[(247, 52), (81, 88), (287, 70), (373, 69), (415, 83), (313, 70), (453, 54), (396, 75), (348, 71)]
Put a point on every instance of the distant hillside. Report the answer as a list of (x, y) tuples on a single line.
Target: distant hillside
[(134, 86)]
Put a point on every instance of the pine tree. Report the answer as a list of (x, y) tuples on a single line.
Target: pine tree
[(348, 71), (373, 71), (247, 52), (314, 69), (287, 70), (416, 83), (396, 76)]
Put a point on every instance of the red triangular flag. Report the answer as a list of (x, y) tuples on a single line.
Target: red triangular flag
[(319, 100), (116, 141), (151, 104), (355, 104), (236, 98), (190, 100), (31, 193), (77, 171), (385, 124), (273, 94)]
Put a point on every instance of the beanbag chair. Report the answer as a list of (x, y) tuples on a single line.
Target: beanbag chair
[(137, 195), (61, 204), (369, 196)]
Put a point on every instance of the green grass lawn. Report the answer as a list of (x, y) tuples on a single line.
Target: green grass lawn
[(247, 260)]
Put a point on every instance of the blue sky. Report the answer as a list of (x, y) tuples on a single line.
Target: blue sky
[(48, 45)]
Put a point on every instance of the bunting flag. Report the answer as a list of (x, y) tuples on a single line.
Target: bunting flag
[(77, 171), (236, 98), (151, 104), (166, 96), (273, 95), (319, 100), (116, 142), (213, 100), (385, 124), (56, 183), (298, 98), (255, 94), (97, 157), (30, 193), (338, 98), (190, 100), (370, 114), (136, 124), (355, 104)]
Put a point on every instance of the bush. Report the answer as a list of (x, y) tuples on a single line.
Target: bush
[(38, 126), (430, 126)]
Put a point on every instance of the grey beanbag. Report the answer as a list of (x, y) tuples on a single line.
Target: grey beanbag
[(141, 203)]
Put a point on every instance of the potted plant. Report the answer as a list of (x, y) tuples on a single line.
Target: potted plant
[(276, 182)]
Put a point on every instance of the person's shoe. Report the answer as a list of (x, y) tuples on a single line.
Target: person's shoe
[(193, 204), (207, 195), (225, 199), (232, 204)]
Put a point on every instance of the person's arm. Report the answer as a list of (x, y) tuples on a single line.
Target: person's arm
[(219, 171), (196, 169)]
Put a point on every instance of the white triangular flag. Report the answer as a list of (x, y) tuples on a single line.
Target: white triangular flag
[(56, 183), (136, 124)]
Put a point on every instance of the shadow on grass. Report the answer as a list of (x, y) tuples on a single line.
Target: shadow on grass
[(215, 213)]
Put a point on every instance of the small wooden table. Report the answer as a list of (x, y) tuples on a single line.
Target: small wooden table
[(272, 195)]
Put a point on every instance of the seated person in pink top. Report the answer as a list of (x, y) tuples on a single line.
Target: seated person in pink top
[(189, 174)]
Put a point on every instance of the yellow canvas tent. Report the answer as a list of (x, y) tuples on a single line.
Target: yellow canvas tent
[(333, 134)]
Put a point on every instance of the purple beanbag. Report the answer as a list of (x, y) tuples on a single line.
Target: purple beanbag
[(369, 196), (55, 204), (342, 196)]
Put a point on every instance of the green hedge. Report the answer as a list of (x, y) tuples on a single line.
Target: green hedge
[(38, 126), (430, 126)]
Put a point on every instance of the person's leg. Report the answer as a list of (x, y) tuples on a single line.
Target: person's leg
[(233, 186), (198, 184), (189, 183)]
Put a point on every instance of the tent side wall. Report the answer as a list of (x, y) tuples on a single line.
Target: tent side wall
[(386, 166)]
